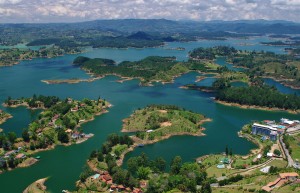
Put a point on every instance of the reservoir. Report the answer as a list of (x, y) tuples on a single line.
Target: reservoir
[(63, 165)]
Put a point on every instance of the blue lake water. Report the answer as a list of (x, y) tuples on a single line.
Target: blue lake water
[(64, 164)]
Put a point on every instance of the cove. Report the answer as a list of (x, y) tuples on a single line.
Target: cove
[(64, 164)]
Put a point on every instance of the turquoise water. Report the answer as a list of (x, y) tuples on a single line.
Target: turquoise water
[(64, 164)]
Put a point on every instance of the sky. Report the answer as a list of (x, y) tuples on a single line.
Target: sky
[(42, 11)]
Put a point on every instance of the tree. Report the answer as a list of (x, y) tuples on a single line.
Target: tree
[(62, 136), (12, 137), (230, 152), (132, 164), (25, 135), (277, 152), (176, 165), (160, 164), (205, 187), (93, 154), (226, 150), (143, 172), (100, 157), (85, 173)]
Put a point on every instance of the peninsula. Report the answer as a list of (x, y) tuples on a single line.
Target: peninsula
[(58, 124), (151, 124), (4, 116)]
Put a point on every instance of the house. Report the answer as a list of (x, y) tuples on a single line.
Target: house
[(259, 129), (225, 160), (120, 188), (55, 117), (107, 179), (283, 178), (20, 156), (68, 131), (143, 184), (113, 187), (75, 135), (289, 176), (265, 169), (137, 190), (10, 153), (70, 100), (75, 109)]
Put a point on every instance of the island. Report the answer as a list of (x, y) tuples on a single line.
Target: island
[(158, 122), (4, 116), (148, 70), (58, 124), (13, 56), (280, 67)]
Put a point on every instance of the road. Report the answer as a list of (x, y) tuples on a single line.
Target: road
[(286, 152)]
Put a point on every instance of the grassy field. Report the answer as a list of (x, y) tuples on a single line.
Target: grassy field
[(235, 76), (294, 142)]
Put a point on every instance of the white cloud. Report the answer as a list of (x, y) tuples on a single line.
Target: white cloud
[(79, 10)]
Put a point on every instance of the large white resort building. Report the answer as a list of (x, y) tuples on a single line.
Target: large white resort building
[(265, 130), (271, 129)]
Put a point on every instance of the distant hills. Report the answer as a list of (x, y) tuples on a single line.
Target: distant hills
[(169, 26)]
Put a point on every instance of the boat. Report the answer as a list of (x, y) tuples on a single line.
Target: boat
[(141, 145), (38, 157)]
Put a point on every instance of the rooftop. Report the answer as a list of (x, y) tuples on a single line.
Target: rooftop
[(292, 174)]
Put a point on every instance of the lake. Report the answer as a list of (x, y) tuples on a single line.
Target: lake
[(64, 164)]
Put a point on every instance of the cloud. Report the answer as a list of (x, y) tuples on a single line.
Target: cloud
[(81, 10)]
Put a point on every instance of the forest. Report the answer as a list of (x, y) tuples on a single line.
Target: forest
[(150, 69), (180, 176), (281, 67), (263, 96)]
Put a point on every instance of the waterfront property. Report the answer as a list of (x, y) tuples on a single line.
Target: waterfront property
[(281, 180), (266, 130), (270, 129)]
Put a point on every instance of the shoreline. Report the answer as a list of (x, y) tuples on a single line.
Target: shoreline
[(283, 82), (256, 107), (24, 104), (9, 116), (31, 160), (37, 186)]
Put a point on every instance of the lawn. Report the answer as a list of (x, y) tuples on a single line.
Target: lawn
[(294, 141)]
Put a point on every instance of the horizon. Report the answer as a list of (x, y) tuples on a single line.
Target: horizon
[(157, 19), (73, 11)]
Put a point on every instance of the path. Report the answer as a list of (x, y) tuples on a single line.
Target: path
[(286, 152)]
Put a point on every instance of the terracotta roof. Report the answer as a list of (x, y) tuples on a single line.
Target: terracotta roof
[(20, 155), (113, 186), (273, 183), (292, 174), (266, 188), (121, 187), (107, 177)]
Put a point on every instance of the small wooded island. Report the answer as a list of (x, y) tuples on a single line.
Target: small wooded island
[(58, 124), (158, 122)]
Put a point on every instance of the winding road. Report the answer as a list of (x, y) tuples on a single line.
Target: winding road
[(286, 152)]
